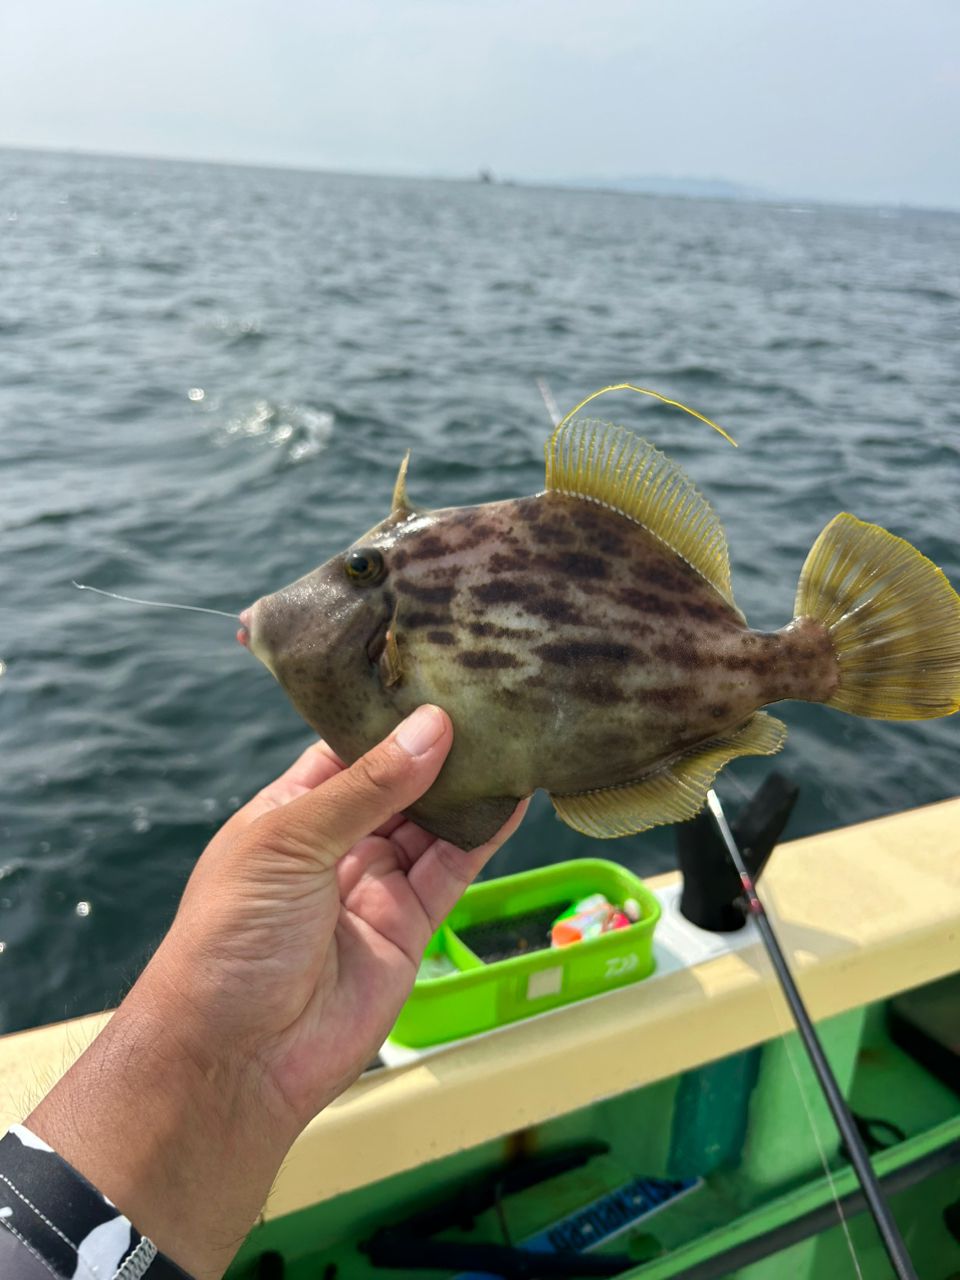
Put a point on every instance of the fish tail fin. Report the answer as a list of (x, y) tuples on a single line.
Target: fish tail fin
[(893, 620)]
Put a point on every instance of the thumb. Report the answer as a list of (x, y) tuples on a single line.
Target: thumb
[(323, 824)]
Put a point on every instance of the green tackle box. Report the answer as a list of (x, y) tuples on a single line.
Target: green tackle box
[(478, 995)]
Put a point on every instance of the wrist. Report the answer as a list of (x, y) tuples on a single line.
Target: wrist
[(236, 1042), (173, 1129)]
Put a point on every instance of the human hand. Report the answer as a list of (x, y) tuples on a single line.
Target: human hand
[(303, 925), (296, 942)]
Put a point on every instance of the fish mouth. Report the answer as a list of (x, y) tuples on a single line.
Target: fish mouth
[(247, 635)]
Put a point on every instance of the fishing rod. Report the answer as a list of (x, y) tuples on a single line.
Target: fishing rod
[(886, 1225), (846, 1125)]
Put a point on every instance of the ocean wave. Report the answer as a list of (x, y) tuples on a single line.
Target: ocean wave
[(797, 342), (234, 330), (56, 516), (298, 432), (161, 266), (928, 293)]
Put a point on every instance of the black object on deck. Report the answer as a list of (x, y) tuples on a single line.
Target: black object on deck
[(410, 1244), (712, 893), (924, 1023)]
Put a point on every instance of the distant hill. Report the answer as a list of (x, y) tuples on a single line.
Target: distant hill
[(661, 185)]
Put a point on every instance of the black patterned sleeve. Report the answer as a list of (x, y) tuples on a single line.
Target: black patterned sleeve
[(54, 1223)]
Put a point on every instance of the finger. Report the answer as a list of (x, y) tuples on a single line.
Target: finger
[(443, 871), (373, 855), (387, 828), (399, 838), (324, 823), (411, 841), (315, 766)]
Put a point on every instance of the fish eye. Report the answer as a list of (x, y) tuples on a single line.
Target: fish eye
[(364, 566)]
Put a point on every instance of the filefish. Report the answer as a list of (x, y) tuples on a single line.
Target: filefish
[(585, 640)]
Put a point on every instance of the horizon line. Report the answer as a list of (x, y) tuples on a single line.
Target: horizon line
[(568, 184)]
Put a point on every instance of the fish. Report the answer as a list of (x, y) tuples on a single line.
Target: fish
[(585, 641)]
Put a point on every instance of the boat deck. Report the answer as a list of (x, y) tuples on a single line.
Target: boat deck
[(863, 912)]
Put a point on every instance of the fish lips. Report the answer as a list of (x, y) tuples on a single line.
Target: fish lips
[(247, 636)]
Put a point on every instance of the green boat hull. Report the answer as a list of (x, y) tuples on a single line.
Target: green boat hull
[(751, 1129)]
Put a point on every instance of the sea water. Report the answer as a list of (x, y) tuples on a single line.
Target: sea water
[(208, 376)]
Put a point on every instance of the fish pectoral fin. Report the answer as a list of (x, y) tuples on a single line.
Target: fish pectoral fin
[(675, 792), (390, 663), (612, 466)]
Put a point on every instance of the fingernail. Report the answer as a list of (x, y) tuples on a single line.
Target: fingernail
[(420, 731)]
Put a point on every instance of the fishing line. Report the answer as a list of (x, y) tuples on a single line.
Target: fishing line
[(886, 1224), (731, 777), (785, 1031), (154, 604), (543, 386)]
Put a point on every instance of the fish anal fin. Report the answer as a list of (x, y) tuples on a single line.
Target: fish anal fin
[(612, 466), (673, 793)]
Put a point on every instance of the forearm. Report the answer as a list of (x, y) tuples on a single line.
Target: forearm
[(296, 942), (185, 1146)]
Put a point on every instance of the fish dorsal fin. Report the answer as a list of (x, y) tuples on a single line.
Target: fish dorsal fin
[(400, 504), (675, 792), (612, 466)]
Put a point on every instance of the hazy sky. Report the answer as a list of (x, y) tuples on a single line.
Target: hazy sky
[(835, 99)]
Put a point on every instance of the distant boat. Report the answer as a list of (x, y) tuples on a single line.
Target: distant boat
[(486, 175)]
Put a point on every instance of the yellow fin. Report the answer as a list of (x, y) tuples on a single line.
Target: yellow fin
[(893, 619), (390, 662), (400, 502), (612, 466), (674, 793)]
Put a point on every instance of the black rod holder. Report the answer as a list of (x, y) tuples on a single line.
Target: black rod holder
[(712, 893)]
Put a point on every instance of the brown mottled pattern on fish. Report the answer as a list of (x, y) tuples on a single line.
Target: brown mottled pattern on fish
[(618, 660), (574, 649)]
